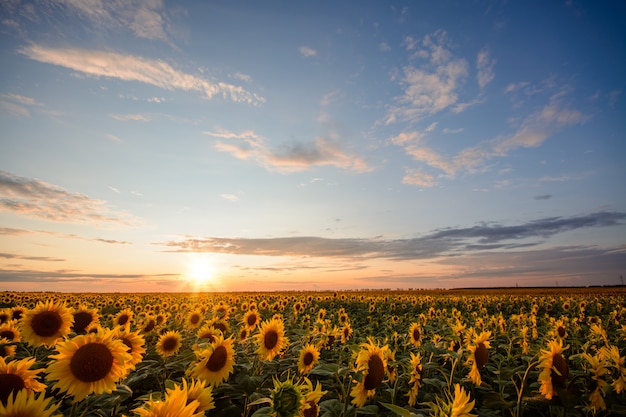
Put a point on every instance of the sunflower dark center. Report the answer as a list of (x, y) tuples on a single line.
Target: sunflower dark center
[(81, 321), (251, 320), (16, 314), (46, 323), (560, 365), (308, 358), (128, 344), (270, 340), (91, 362), (218, 359), (9, 383), (312, 411), (561, 331), (9, 334), (151, 324), (194, 319), (123, 319), (482, 355), (220, 326), (209, 336), (170, 344), (416, 334), (375, 374)]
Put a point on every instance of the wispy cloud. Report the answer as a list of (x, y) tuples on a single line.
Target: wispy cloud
[(29, 275), (135, 68), (131, 117), (38, 199), (289, 158), (31, 258), (530, 133), (485, 65), (543, 197), (230, 197), (437, 243), (17, 105), (145, 19), (307, 52)]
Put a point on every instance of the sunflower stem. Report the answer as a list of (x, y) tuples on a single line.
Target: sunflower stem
[(520, 390)]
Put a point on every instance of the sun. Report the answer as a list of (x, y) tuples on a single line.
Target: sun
[(200, 271)]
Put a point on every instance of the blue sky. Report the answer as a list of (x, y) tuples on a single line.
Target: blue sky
[(168, 146)]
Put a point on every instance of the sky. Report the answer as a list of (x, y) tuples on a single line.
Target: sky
[(268, 146)]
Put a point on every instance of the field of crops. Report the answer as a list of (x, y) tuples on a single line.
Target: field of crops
[(388, 353)]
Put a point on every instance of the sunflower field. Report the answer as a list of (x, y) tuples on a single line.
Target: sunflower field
[(517, 352)]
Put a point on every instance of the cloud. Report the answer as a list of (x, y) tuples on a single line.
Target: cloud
[(530, 133), (145, 19), (17, 105), (37, 199), (29, 275), (131, 117), (484, 66), (307, 52), (230, 197), (31, 258), (419, 178), (441, 242), (135, 68), (431, 88), (294, 157), (543, 197)]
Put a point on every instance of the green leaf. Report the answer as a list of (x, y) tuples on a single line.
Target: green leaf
[(403, 412), (263, 400), (262, 412)]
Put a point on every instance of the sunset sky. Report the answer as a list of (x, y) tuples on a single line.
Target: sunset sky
[(218, 145)]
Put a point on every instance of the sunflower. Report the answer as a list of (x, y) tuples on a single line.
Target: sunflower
[(287, 399), (169, 343), (271, 338), (216, 362), (598, 369), (461, 405), (175, 403), (612, 355), (219, 324), (221, 310), (554, 372), (17, 312), (196, 392), (346, 331), (7, 348), (23, 405), (251, 319), (312, 398), (89, 364), (371, 361), (148, 324), (243, 333), (15, 376), (416, 377), (308, 358), (457, 405), (134, 344), (83, 317), (415, 334), (46, 323), (123, 317), (479, 355), (9, 331), (208, 332)]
